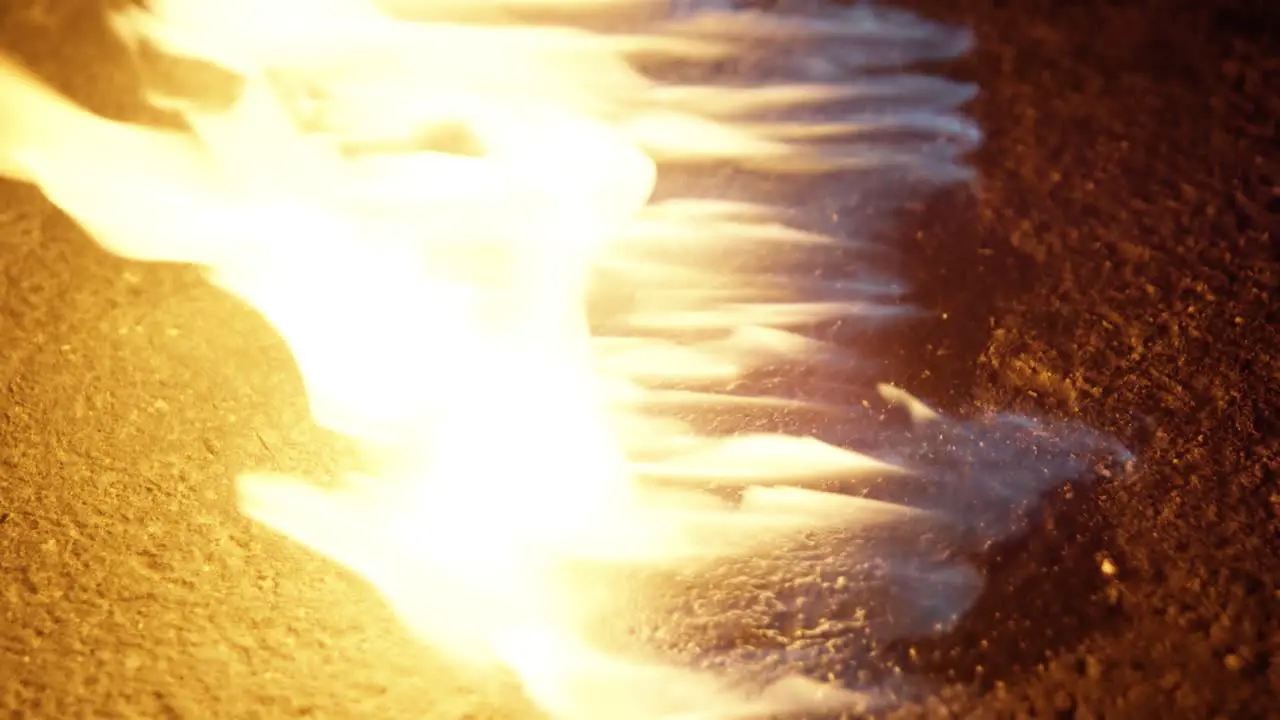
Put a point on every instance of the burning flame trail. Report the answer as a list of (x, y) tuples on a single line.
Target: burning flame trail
[(423, 198)]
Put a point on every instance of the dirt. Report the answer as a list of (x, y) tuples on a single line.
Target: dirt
[(1117, 264)]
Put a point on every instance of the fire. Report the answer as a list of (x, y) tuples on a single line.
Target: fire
[(421, 198)]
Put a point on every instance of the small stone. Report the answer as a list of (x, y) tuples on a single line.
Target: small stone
[(1233, 662)]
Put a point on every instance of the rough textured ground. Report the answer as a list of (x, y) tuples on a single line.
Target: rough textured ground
[(1119, 264)]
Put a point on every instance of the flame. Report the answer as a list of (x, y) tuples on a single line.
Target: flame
[(421, 197)]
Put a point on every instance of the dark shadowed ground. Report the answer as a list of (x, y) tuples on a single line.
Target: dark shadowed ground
[(1120, 264)]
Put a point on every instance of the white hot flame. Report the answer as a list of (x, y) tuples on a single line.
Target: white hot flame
[(419, 197)]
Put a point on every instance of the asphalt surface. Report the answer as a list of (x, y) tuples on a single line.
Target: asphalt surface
[(1118, 265)]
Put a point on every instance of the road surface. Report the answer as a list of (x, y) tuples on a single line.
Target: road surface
[(1119, 264)]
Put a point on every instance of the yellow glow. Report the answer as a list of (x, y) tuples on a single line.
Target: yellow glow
[(435, 301)]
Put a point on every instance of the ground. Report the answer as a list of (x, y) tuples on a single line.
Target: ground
[(1118, 263)]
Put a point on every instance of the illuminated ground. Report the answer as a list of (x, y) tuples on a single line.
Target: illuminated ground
[(1117, 265)]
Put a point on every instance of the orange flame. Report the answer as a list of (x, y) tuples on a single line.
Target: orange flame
[(419, 206)]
